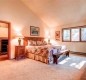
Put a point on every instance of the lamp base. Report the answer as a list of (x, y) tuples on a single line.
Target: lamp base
[(19, 41)]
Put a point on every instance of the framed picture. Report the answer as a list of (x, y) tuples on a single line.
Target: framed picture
[(57, 35), (34, 31)]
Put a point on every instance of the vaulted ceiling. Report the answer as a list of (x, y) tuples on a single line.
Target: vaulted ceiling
[(58, 12)]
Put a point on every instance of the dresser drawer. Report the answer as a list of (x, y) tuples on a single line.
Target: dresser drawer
[(19, 52)]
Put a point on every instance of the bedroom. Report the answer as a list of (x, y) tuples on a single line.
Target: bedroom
[(48, 15)]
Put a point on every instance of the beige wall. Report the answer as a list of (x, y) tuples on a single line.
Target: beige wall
[(21, 18)]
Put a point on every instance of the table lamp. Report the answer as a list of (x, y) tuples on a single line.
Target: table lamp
[(19, 39)]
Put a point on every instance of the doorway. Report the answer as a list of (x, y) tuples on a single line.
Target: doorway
[(4, 40)]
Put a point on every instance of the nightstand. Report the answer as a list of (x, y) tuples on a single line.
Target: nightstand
[(19, 52)]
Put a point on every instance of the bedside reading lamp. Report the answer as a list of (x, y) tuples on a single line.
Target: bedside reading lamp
[(19, 39), (49, 39)]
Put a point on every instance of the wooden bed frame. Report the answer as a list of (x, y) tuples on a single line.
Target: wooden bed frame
[(32, 39)]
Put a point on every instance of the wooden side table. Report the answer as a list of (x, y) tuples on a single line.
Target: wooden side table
[(19, 52)]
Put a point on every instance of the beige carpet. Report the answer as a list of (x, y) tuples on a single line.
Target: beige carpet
[(28, 69), (83, 77)]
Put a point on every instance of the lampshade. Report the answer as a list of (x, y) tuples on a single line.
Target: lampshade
[(49, 39), (19, 36)]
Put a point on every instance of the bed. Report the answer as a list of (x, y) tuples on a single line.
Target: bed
[(38, 49)]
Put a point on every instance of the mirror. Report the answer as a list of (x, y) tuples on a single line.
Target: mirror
[(4, 40)]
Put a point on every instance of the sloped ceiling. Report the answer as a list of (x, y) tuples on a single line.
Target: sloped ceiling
[(58, 12)]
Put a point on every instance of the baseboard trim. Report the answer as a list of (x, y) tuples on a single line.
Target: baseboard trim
[(79, 53)]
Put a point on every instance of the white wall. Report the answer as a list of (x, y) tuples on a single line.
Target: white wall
[(58, 12), (21, 18)]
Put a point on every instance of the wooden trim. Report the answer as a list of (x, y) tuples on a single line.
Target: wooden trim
[(4, 22), (9, 42), (33, 39)]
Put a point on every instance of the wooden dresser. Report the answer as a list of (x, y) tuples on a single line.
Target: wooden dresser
[(19, 52)]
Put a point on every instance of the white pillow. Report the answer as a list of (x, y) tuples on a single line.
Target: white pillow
[(64, 47)]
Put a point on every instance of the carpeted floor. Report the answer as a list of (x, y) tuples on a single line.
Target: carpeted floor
[(83, 77), (27, 69)]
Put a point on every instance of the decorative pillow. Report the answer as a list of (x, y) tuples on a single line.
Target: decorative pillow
[(63, 48), (33, 50)]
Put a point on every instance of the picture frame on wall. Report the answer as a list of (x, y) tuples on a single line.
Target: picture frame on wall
[(34, 31), (57, 35)]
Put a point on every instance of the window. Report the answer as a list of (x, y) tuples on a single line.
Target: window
[(83, 34), (66, 35), (77, 34)]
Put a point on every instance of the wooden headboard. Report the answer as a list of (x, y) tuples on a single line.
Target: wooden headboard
[(34, 39)]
